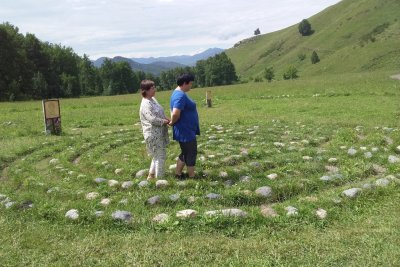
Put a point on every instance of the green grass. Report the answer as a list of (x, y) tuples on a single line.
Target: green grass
[(351, 36), (321, 117)]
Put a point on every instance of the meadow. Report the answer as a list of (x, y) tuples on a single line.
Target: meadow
[(307, 141)]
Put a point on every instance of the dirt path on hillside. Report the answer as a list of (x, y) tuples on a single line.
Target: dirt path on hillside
[(397, 76)]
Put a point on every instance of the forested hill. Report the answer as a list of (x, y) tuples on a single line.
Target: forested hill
[(154, 68), (33, 69), (351, 36)]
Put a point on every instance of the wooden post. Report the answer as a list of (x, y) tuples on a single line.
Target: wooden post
[(208, 98)]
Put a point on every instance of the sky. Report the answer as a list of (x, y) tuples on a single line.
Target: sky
[(152, 28)]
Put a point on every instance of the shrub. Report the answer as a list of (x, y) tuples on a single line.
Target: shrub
[(314, 58), (290, 73)]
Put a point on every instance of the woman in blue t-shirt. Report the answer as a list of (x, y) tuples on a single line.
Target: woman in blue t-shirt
[(185, 122)]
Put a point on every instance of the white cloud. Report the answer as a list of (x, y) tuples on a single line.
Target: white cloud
[(153, 27)]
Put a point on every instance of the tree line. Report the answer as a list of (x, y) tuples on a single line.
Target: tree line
[(32, 69)]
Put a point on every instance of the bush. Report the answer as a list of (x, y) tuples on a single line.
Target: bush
[(269, 74), (290, 73), (314, 58)]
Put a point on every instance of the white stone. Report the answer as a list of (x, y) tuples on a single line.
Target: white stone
[(161, 183), (161, 218), (398, 149), (92, 195), (54, 161), (272, 176), (223, 174), (72, 214), (291, 211), (118, 171), (105, 201), (189, 213), (332, 160), (321, 213), (141, 173), (393, 159), (278, 144), (112, 183), (352, 192), (100, 180), (351, 151), (172, 167), (368, 155), (307, 158)]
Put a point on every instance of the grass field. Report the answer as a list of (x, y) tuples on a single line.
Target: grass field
[(286, 135)]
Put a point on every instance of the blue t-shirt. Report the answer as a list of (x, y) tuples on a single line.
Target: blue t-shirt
[(187, 127)]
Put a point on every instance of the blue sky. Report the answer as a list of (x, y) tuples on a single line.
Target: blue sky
[(153, 27)]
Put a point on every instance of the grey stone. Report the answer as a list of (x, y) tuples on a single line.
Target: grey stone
[(227, 212), (154, 200), (213, 196), (352, 192), (264, 191), (127, 184), (393, 159), (100, 180), (351, 151), (382, 182), (72, 214), (121, 215), (245, 179), (99, 213), (143, 183), (175, 197)]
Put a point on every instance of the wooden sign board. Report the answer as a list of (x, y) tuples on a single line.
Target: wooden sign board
[(52, 116)]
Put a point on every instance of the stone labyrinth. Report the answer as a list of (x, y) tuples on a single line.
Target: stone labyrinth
[(264, 173)]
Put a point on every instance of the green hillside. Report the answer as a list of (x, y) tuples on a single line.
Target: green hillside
[(351, 36)]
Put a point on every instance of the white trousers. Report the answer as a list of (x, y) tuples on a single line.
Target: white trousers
[(158, 162)]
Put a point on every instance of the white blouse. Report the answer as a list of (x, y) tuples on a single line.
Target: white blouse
[(151, 117)]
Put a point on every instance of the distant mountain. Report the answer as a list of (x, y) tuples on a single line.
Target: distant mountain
[(155, 67), (160, 64), (184, 59)]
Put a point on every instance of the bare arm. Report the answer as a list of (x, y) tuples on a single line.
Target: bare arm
[(175, 115)]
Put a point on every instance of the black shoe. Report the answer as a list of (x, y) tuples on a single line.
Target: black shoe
[(182, 176)]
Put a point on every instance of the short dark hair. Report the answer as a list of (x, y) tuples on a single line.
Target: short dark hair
[(184, 78), (145, 85)]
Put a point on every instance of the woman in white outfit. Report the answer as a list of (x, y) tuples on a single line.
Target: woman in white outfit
[(155, 129)]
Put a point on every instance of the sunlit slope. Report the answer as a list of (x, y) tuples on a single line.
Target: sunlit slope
[(351, 36)]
